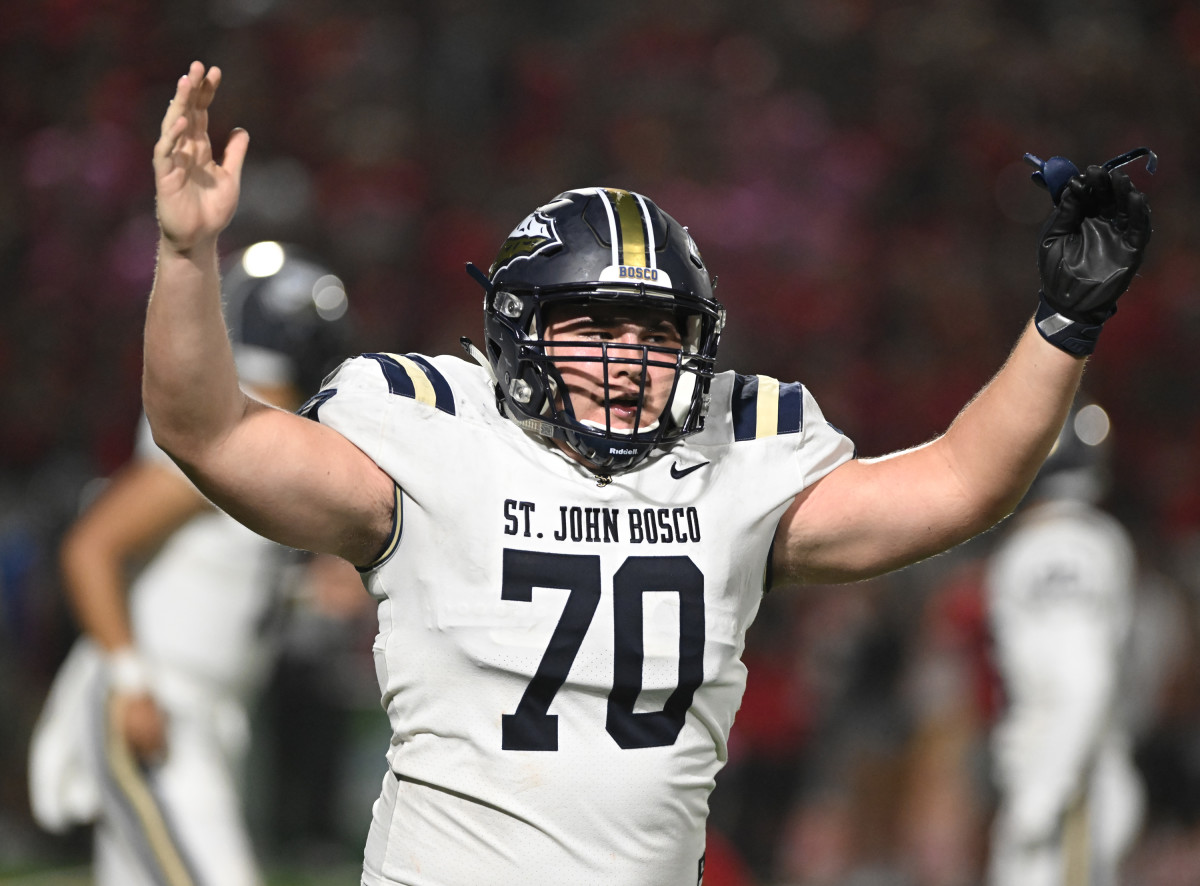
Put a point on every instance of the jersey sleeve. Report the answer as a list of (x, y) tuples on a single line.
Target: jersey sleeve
[(352, 401), (824, 446), (401, 411), (765, 412), (414, 416)]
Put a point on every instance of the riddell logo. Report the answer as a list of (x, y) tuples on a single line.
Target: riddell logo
[(624, 452)]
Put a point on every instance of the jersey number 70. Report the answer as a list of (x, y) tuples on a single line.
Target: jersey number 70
[(531, 727)]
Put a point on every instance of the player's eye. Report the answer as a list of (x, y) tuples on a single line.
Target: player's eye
[(665, 336)]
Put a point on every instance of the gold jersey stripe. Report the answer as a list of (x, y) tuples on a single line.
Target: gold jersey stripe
[(129, 781), (767, 424), (632, 229), (1077, 843), (422, 388)]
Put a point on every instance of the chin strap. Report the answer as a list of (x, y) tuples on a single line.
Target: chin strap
[(469, 346), (477, 355), (480, 277), (473, 352)]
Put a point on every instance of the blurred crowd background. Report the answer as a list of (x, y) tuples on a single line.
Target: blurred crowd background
[(852, 171)]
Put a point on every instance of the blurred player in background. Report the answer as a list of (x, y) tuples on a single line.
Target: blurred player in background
[(147, 723), (1061, 595), (569, 533)]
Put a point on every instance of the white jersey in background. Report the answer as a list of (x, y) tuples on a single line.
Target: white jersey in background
[(559, 656), (200, 610), (204, 606), (1060, 591)]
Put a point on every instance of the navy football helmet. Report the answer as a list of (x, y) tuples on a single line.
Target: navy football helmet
[(287, 316), (608, 246)]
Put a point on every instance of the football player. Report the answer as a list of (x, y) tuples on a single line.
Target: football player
[(146, 724), (1061, 591), (568, 536)]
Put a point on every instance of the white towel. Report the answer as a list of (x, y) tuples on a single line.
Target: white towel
[(64, 787)]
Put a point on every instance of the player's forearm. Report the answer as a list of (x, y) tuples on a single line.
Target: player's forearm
[(998, 442), (189, 383), (95, 588)]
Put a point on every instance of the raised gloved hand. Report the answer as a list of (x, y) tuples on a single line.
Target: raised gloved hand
[(1090, 247)]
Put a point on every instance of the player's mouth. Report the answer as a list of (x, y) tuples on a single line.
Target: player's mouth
[(624, 409)]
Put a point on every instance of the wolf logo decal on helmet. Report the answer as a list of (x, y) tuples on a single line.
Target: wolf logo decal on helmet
[(535, 234)]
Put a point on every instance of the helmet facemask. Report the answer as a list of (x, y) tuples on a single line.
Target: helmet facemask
[(534, 374)]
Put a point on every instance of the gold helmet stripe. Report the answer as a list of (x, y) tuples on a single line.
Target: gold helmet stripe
[(629, 228)]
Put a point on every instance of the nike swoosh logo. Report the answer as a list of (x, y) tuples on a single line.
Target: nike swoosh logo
[(679, 475)]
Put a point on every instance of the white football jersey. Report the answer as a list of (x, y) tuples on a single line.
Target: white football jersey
[(198, 609), (560, 659), (1060, 591), (201, 606)]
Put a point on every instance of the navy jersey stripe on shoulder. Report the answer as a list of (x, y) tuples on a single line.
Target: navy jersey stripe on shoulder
[(312, 406), (791, 408), (745, 402), (762, 407), (414, 377)]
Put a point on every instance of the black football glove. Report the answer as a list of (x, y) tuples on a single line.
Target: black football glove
[(1090, 247)]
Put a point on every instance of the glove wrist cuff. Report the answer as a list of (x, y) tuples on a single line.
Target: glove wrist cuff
[(1076, 337)]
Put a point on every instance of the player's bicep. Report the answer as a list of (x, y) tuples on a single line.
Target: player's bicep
[(299, 483), (867, 517)]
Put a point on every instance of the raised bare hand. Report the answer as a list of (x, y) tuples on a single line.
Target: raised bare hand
[(196, 196)]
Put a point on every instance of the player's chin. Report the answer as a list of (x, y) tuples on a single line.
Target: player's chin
[(615, 420), (628, 419)]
